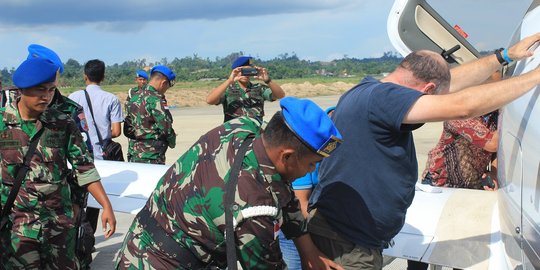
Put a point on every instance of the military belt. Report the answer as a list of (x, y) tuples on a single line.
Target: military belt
[(167, 244)]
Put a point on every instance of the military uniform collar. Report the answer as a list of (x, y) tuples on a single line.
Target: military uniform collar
[(11, 115), (152, 89)]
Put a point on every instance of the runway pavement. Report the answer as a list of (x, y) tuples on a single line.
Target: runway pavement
[(190, 124)]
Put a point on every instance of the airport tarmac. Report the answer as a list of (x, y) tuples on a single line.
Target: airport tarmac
[(190, 123)]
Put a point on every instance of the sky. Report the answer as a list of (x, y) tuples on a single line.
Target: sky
[(320, 30)]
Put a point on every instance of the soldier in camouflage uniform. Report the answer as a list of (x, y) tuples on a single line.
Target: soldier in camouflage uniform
[(79, 195), (141, 79), (241, 97), (40, 231), (148, 122), (187, 205)]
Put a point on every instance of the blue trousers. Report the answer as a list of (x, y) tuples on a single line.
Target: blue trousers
[(290, 254)]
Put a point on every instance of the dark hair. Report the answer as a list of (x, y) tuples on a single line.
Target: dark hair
[(426, 67), (95, 70), (277, 133)]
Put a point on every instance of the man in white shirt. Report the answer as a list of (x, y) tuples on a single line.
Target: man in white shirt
[(107, 111)]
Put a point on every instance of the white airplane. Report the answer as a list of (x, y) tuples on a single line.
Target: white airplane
[(475, 229), (444, 227)]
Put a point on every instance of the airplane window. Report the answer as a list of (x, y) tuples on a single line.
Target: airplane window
[(486, 24)]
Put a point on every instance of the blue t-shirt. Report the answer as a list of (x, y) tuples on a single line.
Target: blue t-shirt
[(308, 181), (367, 184)]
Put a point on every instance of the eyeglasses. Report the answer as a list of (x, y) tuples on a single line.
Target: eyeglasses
[(171, 83)]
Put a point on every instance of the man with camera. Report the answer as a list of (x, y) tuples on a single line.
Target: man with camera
[(241, 97)]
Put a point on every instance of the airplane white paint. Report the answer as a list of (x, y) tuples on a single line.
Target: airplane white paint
[(128, 185)]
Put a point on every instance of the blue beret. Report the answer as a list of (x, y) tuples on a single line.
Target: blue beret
[(241, 61), (36, 50), (33, 72), (141, 73), (330, 109), (165, 71), (311, 125)]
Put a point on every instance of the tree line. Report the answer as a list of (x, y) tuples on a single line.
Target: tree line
[(194, 68)]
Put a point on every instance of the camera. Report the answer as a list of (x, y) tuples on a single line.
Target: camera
[(249, 71)]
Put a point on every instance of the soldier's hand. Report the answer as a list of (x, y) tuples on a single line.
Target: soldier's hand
[(235, 74), (262, 74), (108, 221)]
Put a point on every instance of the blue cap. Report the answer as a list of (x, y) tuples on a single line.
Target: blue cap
[(330, 109), (165, 71), (311, 125), (141, 73), (36, 50), (33, 72), (241, 61)]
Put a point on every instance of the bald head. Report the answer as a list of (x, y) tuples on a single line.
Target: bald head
[(428, 66)]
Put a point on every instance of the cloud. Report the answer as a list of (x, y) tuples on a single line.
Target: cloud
[(36, 13)]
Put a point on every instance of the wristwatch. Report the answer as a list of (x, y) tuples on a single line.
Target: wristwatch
[(500, 58)]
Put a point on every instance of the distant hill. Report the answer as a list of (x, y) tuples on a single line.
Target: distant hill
[(195, 68)]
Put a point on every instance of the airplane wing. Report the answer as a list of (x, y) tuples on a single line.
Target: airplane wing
[(454, 228), (128, 185)]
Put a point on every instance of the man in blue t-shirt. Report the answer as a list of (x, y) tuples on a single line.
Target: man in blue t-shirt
[(366, 187)]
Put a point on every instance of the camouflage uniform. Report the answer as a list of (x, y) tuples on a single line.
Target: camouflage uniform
[(132, 93), (148, 125), (237, 101), (79, 195), (41, 231), (188, 205)]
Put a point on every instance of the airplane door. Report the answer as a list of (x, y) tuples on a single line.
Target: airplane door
[(510, 175), (414, 25)]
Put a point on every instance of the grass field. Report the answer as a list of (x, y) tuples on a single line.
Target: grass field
[(204, 85)]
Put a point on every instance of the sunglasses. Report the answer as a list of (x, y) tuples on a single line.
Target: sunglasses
[(171, 83)]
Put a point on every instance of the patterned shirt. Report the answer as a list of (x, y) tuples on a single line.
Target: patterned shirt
[(44, 199), (188, 200), (458, 159), (238, 102)]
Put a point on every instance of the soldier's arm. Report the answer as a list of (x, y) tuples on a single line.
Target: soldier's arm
[(108, 221), (87, 175), (258, 247), (214, 97)]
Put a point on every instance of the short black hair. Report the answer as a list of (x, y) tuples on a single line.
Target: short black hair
[(425, 67), (95, 70), (277, 133)]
